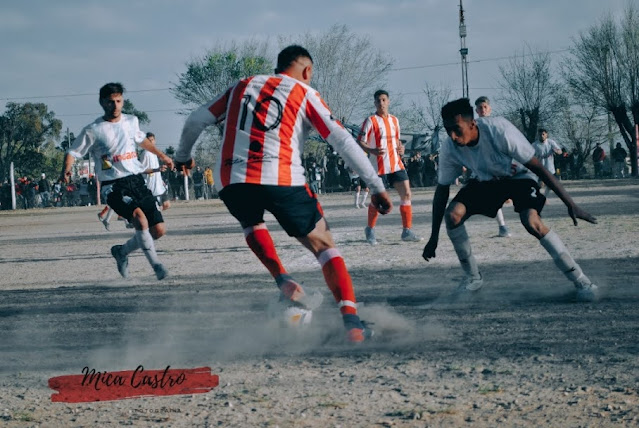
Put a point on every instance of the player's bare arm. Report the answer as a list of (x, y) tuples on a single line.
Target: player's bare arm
[(574, 210), (65, 174), (439, 208), (149, 146)]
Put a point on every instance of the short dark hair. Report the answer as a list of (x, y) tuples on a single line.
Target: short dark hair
[(289, 54), (460, 106), (378, 93), (111, 88), (150, 134), (542, 130), (482, 99)]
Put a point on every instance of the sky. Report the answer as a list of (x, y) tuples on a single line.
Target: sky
[(61, 52)]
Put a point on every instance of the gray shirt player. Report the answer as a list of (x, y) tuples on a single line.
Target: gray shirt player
[(501, 153)]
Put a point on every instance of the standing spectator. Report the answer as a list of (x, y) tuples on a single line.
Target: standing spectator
[(210, 184), (93, 190), (198, 183), (44, 187), (545, 150), (5, 196), (31, 189), (176, 184), (415, 167), (153, 175), (598, 156), (619, 161), (83, 192), (430, 170), (315, 175)]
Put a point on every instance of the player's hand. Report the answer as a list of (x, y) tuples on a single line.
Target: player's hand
[(382, 202), (575, 212), (183, 166), (429, 249), (66, 177)]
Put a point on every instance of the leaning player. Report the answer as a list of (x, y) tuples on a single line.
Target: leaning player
[(379, 138), (111, 140), (267, 119), (504, 166)]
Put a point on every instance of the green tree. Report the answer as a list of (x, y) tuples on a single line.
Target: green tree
[(129, 108), (210, 75), (25, 130)]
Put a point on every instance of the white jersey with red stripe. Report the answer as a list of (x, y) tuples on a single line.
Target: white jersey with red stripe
[(501, 153), (383, 132), (153, 180), (267, 121), (113, 146)]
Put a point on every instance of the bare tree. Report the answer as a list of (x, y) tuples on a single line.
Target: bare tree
[(347, 70), (597, 69), (529, 90)]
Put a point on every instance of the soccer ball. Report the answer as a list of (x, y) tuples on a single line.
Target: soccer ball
[(297, 317)]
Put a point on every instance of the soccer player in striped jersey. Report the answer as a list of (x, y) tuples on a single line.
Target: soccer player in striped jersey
[(504, 166), (112, 140), (483, 109), (380, 139), (259, 168)]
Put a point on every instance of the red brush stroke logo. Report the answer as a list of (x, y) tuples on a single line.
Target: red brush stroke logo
[(105, 386)]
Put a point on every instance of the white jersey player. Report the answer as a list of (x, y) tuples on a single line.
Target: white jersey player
[(545, 150), (505, 167), (112, 141), (153, 175)]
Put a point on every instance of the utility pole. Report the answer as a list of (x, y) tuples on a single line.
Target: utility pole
[(463, 50)]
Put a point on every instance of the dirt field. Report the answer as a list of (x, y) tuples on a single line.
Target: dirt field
[(520, 353)]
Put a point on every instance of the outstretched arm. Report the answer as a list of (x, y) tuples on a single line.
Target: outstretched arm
[(574, 211), (149, 146), (439, 208)]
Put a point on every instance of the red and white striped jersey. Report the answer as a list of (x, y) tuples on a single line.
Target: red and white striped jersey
[(378, 132), (267, 121)]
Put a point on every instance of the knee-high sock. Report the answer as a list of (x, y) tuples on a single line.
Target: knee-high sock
[(357, 198), (372, 215), (145, 241), (461, 244), (109, 214), (364, 198), (104, 210), (131, 245), (562, 258), (500, 218), (406, 210), (338, 280), (260, 241)]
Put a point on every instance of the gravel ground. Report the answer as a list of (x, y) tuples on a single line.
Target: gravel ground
[(521, 352)]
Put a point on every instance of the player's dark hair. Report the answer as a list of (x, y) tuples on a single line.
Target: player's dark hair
[(542, 130), (378, 93), (458, 107), (150, 134), (289, 54), (111, 88), (482, 99)]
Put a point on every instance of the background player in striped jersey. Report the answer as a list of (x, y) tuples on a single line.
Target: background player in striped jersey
[(111, 140), (380, 138), (259, 168), (504, 166), (152, 170), (483, 109)]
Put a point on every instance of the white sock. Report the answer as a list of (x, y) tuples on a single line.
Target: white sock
[(145, 240), (500, 217), (364, 198), (562, 258), (131, 245), (357, 199), (461, 244), (109, 214)]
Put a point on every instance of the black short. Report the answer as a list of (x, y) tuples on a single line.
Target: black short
[(396, 176), (162, 198), (487, 197), (296, 208), (128, 194), (355, 182)]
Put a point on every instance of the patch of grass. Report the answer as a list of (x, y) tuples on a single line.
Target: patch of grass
[(24, 417)]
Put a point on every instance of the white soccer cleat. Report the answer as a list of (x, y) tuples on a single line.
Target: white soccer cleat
[(587, 293), (297, 317), (504, 232), (470, 283), (409, 236)]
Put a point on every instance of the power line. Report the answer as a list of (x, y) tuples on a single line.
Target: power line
[(416, 67)]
